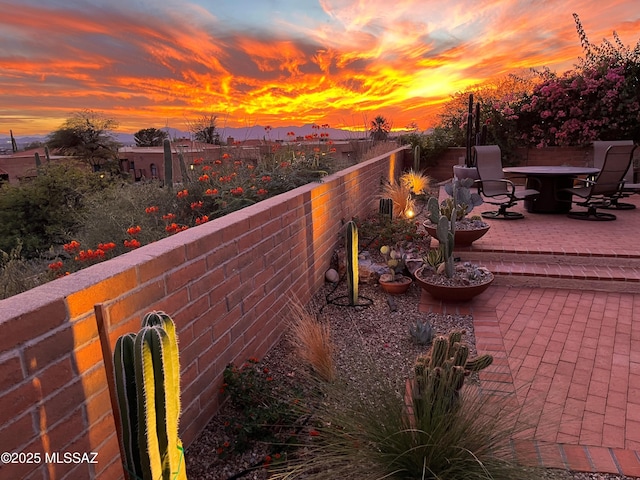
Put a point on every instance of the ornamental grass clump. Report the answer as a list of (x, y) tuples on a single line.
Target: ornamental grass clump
[(312, 341), (373, 432)]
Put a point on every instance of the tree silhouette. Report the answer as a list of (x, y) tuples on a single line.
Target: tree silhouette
[(204, 129), (380, 128), (87, 135), (150, 137)]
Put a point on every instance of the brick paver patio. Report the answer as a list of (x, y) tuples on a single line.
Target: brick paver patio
[(559, 320)]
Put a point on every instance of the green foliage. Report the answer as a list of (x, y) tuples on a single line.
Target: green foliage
[(430, 146), (150, 137), (379, 230), (108, 213), (18, 275), (44, 211), (263, 408)]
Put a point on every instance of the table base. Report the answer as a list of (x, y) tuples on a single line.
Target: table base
[(552, 198)]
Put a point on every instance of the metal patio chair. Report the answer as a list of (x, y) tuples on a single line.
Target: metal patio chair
[(494, 186), (629, 188), (598, 193)]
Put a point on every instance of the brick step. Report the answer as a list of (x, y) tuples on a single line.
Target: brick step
[(610, 274), (551, 258)]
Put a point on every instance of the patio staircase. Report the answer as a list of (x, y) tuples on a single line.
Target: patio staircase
[(556, 270)]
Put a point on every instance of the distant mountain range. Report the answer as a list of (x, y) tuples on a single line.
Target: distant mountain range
[(237, 133)]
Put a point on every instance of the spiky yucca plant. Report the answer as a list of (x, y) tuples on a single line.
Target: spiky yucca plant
[(312, 341)]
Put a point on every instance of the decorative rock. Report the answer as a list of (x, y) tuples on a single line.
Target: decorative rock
[(387, 277), (368, 271), (332, 276)]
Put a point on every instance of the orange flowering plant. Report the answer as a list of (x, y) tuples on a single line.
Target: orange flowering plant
[(218, 183)]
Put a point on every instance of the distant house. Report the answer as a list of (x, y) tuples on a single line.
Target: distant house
[(21, 165)]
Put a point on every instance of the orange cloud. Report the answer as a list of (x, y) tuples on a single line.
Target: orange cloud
[(337, 62)]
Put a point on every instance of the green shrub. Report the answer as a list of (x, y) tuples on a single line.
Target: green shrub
[(265, 410), (18, 275), (43, 211)]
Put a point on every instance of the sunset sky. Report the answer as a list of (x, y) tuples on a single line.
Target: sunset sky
[(148, 64)]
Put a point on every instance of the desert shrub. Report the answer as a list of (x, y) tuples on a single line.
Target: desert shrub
[(264, 408), (110, 212), (43, 211), (17, 274)]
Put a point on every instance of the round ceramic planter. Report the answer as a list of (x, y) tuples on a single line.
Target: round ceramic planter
[(463, 238), (396, 287), (462, 171), (455, 293)]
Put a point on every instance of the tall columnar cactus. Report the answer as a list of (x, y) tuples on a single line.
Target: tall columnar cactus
[(445, 232), (351, 236), (168, 163), (46, 154), (474, 136), (386, 208), (183, 166), (37, 158), (147, 376), (469, 134), (416, 158), (439, 376)]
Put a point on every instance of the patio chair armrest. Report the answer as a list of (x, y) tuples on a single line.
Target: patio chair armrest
[(509, 183), (586, 181)]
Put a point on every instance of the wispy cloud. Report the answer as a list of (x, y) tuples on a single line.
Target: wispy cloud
[(276, 62)]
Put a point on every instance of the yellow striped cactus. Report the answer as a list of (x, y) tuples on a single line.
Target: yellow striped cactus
[(147, 376), (352, 261)]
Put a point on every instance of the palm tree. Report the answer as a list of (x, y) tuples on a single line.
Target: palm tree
[(380, 128)]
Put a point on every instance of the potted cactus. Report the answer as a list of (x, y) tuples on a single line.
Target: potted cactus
[(462, 201), (394, 282), (441, 276)]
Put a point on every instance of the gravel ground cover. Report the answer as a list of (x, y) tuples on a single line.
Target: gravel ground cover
[(372, 334)]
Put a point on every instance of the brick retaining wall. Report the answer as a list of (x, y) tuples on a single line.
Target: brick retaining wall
[(577, 156), (226, 284)]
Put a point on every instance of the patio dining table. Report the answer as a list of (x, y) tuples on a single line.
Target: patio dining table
[(551, 181)]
